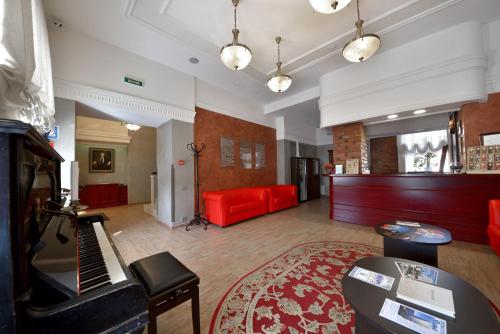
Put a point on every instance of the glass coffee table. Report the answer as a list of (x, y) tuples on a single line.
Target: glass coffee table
[(416, 242)]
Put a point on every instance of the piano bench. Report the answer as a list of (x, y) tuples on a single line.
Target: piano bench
[(168, 283)]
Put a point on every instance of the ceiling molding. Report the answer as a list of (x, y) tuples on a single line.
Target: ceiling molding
[(165, 7), (453, 65), (196, 43), (352, 32), (81, 93)]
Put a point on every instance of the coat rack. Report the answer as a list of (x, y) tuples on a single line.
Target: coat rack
[(197, 220)]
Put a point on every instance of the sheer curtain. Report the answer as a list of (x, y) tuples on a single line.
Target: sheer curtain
[(414, 144), (26, 91)]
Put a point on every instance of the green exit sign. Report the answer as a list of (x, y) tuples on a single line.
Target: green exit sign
[(134, 81)]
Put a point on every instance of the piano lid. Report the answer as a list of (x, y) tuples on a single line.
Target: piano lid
[(57, 262)]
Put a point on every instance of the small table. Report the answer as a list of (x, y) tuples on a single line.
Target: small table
[(417, 243), (473, 311)]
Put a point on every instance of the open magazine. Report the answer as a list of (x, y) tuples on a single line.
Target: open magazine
[(418, 272), (420, 322)]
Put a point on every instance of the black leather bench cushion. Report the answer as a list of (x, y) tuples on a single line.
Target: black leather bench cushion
[(161, 272)]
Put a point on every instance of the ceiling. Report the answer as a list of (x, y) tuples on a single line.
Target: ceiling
[(172, 31)]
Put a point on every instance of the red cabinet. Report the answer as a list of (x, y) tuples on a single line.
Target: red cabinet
[(104, 195)]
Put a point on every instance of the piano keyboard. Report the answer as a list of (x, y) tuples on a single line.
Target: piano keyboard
[(98, 264)]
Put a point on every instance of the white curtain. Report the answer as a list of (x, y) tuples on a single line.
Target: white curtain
[(412, 144), (432, 141), (26, 91)]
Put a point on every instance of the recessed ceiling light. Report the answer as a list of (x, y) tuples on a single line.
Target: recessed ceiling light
[(392, 116), (194, 60), (421, 111)]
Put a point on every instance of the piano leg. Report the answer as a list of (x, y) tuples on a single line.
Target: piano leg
[(152, 324), (195, 310)]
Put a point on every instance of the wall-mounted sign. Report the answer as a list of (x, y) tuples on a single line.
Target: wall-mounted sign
[(226, 152), (260, 156), (133, 81), (54, 133)]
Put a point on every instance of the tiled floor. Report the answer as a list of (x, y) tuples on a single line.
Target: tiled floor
[(221, 256)]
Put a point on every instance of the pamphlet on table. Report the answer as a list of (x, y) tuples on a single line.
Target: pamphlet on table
[(426, 295), (411, 318), (412, 224), (418, 272), (373, 278)]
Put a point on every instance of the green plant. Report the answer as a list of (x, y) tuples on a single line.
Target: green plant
[(424, 160)]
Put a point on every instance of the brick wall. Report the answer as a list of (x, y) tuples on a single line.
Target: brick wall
[(384, 155), (349, 142), (480, 118), (209, 126)]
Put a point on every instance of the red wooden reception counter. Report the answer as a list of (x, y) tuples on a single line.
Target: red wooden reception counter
[(457, 202)]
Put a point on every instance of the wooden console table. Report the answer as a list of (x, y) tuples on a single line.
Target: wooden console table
[(104, 195)]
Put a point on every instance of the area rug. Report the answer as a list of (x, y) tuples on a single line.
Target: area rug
[(297, 292)]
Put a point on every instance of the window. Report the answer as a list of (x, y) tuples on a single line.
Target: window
[(421, 152)]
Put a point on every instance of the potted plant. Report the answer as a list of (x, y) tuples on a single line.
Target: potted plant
[(424, 161)]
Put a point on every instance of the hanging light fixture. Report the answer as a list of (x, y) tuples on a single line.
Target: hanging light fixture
[(132, 126), (363, 46), (328, 6), (279, 81), (235, 55)]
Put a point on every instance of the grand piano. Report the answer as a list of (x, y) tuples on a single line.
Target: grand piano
[(59, 272)]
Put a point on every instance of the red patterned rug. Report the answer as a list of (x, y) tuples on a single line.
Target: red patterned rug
[(297, 292)]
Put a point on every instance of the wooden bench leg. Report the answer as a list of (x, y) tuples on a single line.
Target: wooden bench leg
[(152, 324), (195, 310)]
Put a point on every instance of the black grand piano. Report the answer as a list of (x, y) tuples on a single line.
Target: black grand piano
[(59, 272)]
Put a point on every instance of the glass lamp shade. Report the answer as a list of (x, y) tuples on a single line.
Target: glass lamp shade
[(236, 56), (328, 6), (279, 83), (361, 48), (132, 127)]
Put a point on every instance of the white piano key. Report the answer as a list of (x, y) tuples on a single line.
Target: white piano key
[(113, 266)]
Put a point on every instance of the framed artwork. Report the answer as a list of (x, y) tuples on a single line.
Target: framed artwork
[(260, 156), (226, 152), (101, 160), (246, 155), (352, 166), (488, 139)]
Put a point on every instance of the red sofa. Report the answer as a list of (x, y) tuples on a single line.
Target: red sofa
[(226, 207), (494, 225), (281, 197)]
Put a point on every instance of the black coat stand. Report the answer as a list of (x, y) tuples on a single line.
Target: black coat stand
[(198, 219)]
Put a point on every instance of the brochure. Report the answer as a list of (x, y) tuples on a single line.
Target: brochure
[(411, 318), (418, 272), (412, 224), (373, 278), (429, 296)]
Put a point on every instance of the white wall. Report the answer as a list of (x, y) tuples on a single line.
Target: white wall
[(441, 68), (224, 102), (86, 61), (65, 146), (492, 49)]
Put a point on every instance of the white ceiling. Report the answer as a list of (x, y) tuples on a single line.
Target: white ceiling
[(171, 31)]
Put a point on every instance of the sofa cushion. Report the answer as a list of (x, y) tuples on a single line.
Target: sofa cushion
[(283, 199), (244, 207)]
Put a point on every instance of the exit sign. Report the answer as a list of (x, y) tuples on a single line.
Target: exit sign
[(134, 81)]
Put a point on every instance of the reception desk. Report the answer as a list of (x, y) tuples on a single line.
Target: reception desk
[(457, 202)]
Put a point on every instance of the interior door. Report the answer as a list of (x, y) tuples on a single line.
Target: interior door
[(303, 176)]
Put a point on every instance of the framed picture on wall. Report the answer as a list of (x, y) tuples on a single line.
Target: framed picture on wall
[(488, 139), (246, 154), (260, 156), (101, 160)]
